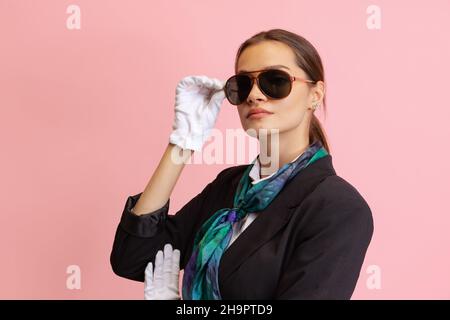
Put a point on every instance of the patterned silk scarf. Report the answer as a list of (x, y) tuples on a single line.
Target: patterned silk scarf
[(200, 280)]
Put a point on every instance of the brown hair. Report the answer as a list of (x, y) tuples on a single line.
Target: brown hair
[(307, 58)]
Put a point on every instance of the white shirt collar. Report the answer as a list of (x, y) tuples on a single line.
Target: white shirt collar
[(254, 173)]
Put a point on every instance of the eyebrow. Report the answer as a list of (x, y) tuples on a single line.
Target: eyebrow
[(269, 67)]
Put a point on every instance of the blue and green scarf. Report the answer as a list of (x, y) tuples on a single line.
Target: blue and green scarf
[(200, 280)]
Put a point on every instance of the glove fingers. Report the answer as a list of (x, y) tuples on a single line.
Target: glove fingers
[(212, 109), (219, 96), (175, 272), (148, 282), (149, 274), (176, 262), (211, 83), (200, 81), (167, 265), (158, 275)]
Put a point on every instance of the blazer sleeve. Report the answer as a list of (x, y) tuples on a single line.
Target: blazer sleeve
[(330, 247), (139, 237)]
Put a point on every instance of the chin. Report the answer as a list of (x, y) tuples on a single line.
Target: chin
[(253, 128)]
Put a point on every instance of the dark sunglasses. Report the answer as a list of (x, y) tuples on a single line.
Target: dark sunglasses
[(273, 83)]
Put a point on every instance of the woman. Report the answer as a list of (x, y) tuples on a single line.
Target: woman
[(308, 229)]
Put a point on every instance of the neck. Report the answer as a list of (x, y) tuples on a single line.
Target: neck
[(277, 151)]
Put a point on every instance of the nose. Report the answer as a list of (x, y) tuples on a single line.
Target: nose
[(255, 92)]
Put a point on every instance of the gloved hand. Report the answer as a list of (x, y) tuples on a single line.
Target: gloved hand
[(163, 284), (197, 104)]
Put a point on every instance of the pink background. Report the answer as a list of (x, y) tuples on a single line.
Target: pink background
[(86, 114)]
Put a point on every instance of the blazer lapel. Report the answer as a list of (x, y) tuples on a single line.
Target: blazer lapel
[(275, 216)]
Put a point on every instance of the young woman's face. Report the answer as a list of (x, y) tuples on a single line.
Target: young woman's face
[(288, 113)]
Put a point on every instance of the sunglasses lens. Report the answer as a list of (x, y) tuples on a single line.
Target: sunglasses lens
[(275, 83), (237, 89)]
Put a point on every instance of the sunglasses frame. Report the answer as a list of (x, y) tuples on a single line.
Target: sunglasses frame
[(253, 78)]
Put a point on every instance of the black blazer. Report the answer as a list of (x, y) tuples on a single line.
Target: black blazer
[(309, 243)]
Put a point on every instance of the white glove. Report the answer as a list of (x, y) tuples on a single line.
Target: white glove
[(197, 104), (163, 284)]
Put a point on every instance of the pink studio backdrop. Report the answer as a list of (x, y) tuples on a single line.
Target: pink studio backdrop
[(86, 114)]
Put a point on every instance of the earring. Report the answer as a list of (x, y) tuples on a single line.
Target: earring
[(314, 106)]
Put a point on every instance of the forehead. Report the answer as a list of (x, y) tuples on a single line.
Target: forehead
[(266, 54)]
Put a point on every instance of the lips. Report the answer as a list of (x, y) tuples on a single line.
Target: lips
[(257, 111)]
